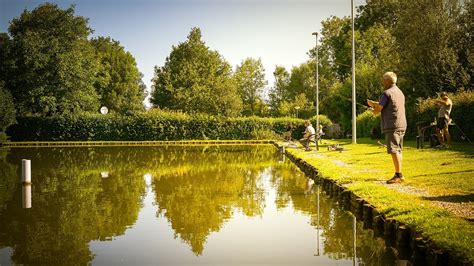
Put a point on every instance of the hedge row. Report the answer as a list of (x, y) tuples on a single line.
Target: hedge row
[(150, 126)]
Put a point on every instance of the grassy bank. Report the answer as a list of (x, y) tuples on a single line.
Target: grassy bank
[(436, 199)]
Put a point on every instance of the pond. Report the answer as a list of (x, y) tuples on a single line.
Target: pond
[(173, 205)]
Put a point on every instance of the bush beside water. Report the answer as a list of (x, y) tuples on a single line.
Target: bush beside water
[(152, 125)]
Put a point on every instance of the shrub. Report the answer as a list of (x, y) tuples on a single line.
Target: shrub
[(323, 120), (151, 125), (368, 125)]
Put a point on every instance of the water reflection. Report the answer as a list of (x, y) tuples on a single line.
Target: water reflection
[(26, 196), (73, 205), (87, 199), (195, 209)]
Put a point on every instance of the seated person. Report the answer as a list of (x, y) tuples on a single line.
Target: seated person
[(320, 132), (309, 135), (289, 131)]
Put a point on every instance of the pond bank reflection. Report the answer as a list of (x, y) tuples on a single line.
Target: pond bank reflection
[(173, 205)]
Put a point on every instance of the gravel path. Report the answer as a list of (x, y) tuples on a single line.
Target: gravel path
[(461, 209)]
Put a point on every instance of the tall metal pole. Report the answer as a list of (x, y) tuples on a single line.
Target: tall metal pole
[(354, 129), (317, 91)]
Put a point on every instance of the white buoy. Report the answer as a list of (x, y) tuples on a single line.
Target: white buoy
[(26, 171), (26, 196)]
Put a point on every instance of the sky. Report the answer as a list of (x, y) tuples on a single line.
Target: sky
[(276, 31)]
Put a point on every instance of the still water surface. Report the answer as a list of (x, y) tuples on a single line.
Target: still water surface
[(208, 205)]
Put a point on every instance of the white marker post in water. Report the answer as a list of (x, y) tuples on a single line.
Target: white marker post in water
[(26, 171), (26, 196)]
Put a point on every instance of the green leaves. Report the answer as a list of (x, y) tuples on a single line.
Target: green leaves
[(118, 81), (250, 79), (426, 32), (51, 68), (7, 109), (195, 79), (152, 125), (53, 65)]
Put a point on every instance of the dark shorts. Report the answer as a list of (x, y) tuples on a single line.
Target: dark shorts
[(394, 141), (442, 123)]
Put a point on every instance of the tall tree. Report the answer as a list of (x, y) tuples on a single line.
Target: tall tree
[(7, 110), (336, 45), (53, 64), (279, 91), (303, 80), (300, 105), (250, 80), (5, 61), (378, 12), (119, 81), (426, 31), (465, 43), (376, 53), (297, 89), (196, 79)]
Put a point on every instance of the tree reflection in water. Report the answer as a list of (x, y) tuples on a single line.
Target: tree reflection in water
[(72, 205), (335, 223), (85, 194), (204, 190)]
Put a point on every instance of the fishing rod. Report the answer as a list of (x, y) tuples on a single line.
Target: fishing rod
[(350, 100)]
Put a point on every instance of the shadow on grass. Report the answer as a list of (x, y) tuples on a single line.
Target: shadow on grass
[(447, 173), (372, 153), (395, 211), (464, 147), (452, 198)]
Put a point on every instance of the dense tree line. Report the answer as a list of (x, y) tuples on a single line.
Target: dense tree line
[(427, 43), (51, 67)]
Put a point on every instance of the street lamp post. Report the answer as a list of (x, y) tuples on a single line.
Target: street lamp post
[(317, 91), (354, 130), (297, 108)]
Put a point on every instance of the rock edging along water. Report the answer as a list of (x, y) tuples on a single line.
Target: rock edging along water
[(409, 242), (130, 143)]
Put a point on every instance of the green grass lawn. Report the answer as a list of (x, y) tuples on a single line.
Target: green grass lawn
[(434, 178)]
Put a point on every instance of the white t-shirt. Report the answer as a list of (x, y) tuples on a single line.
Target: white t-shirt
[(445, 110), (309, 131)]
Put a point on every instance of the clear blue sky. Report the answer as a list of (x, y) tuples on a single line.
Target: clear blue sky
[(277, 31)]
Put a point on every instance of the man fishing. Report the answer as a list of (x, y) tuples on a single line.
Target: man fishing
[(393, 121)]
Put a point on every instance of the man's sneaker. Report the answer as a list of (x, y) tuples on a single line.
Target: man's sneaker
[(395, 179)]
